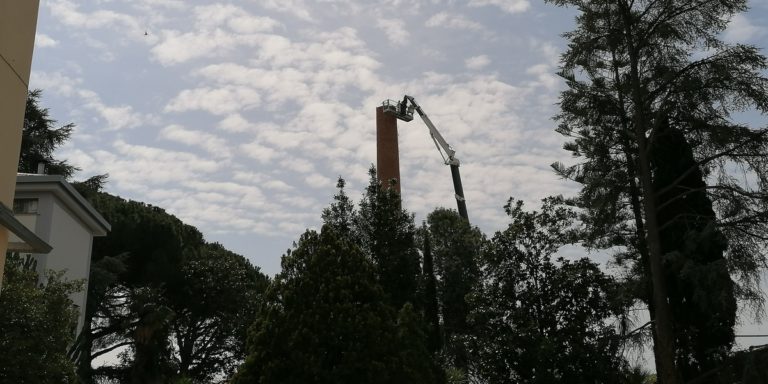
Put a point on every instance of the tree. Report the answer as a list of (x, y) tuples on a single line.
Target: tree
[(340, 215), (539, 320), (132, 265), (177, 306), (701, 291), (325, 321), (39, 139), (644, 77), (386, 233), (455, 248), (429, 293), (213, 308), (38, 322)]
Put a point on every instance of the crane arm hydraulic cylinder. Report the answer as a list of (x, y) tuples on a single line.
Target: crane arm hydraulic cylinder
[(460, 201)]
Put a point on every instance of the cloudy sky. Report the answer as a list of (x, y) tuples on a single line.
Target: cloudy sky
[(239, 116)]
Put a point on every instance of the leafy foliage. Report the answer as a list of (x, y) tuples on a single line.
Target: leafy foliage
[(539, 320), (177, 306), (325, 313), (37, 322), (212, 309), (386, 234), (455, 248)]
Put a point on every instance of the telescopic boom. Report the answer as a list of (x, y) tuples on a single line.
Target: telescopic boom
[(404, 111)]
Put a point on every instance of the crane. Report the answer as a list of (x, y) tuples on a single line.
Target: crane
[(403, 110)]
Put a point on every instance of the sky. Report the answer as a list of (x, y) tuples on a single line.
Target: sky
[(238, 117)]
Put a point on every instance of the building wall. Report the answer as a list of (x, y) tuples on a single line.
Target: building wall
[(18, 21), (71, 241)]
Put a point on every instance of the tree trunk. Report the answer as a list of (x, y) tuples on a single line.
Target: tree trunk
[(664, 345)]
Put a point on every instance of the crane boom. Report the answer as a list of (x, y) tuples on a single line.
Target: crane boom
[(404, 112)]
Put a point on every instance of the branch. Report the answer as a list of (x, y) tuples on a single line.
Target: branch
[(110, 349), (753, 195), (707, 160), (636, 330)]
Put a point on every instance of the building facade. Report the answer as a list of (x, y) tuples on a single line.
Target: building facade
[(60, 216)]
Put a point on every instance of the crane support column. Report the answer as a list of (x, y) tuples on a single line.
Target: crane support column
[(387, 151), (460, 201), (18, 21)]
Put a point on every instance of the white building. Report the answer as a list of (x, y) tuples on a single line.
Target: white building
[(61, 217)]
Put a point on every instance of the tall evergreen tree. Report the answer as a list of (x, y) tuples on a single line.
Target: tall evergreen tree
[(325, 320), (632, 69), (40, 138), (387, 234), (455, 248), (700, 288), (429, 293), (340, 215)]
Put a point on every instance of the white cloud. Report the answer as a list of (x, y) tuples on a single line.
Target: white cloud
[(477, 62), (298, 165), (171, 4), (509, 6), (116, 117), (54, 82), (141, 167), (175, 47), (278, 185), (316, 180), (44, 41), (258, 151), (297, 8), (452, 21), (68, 13), (210, 17), (235, 123), (395, 30), (545, 74), (218, 101), (214, 145), (741, 30)]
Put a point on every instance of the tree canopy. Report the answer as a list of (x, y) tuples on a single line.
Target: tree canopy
[(37, 322), (40, 138), (325, 320), (540, 319)]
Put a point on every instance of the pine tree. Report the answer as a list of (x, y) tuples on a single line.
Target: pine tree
[(39, 140), (386, 233), (455, 248), (325, 320), (429, 293), (632, 69)]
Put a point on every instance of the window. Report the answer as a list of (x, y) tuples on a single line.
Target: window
[(21, 206)]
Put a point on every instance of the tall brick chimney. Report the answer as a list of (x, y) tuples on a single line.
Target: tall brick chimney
[(387, 152)]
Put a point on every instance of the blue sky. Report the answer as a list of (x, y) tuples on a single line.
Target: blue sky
[(238, 117)]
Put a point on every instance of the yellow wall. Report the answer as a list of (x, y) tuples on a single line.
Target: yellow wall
[(18, 21)]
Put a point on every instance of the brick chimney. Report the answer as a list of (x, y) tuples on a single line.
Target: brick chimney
[(387, 152)]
